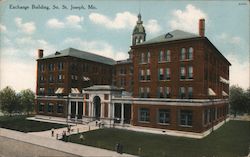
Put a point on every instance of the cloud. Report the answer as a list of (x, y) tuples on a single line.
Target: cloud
[(187, 19), (16, 54), (226, 38), (20, 79), (152, 26), (72, 21), (121, 20), (98, 47), (28, 27), (55, 23), (3, 28), (239, 71)]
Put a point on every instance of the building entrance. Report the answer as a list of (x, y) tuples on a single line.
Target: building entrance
[(97, 107)]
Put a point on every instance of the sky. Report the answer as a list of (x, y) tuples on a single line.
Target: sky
[(105, 28)]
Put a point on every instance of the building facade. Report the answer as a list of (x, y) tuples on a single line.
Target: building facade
[(176, 81)]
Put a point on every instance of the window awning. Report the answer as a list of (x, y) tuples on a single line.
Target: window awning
[(211, 92), (223, 80), (59, 91), (75, 91), (224, 93), (86, 78)]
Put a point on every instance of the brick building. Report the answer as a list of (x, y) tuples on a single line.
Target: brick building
[(176, 81)]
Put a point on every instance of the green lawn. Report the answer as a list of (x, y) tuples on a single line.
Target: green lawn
[(20, 123), (231, 140)]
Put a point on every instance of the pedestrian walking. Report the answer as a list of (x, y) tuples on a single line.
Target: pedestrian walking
[(52, 132), (82, 137)]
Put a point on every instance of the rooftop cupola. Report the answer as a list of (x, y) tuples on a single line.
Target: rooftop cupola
[(139, 33)]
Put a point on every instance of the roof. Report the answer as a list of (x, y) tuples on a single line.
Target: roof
[(170, 36), (81, 54), (103, 88)]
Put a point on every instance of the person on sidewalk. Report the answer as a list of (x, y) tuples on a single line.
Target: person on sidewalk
[(52, 132)]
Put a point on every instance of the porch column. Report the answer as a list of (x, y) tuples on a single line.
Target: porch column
[(113, 110), (69, 109), (84, 108), (109, 110), (89, 111), (102, 110), (76, 111), (122, 113)]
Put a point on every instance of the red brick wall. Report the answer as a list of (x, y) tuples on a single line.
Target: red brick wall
[(197, 117)]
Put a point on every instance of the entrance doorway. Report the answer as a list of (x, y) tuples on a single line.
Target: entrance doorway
[(97, 107)]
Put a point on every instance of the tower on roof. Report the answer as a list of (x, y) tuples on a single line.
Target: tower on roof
[(139, 33)]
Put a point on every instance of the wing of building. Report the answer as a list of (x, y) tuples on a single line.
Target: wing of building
[(176, 81)]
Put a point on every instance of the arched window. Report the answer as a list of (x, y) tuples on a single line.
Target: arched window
[(190, 53), (183, 54)]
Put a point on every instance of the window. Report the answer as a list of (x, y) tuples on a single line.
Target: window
[(167, 74), (148, 74), (51, 78), (106, 96), (161, 75), (163, 116), (85, 67), (186, 118), (183, 54), (144, 115), (142, 58), (60, 66), (60, 77), (190, 53), (167, 92), (148, 57), (182, 92), (142, 74), (41, 67), (190, 92), (160, 92), (161, 56), (190, 72), (41, 107), (59, 108), (50, 107), (148, 92), (183, 73), (168, 56), (50, 91), (141, 92), (205, 114), (51, 67), (42, 90), (41, 78)]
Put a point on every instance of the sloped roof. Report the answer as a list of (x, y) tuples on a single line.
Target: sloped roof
[(170, 36), (83, 55)]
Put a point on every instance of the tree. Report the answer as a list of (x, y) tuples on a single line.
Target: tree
[(9, 101), (247, 95), (237, 100), (27, 98)]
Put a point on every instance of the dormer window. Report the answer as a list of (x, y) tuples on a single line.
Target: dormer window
[(57, 53), (168, 35)]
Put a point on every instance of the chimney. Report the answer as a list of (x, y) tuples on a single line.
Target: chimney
[(202, 27), (40, 53)]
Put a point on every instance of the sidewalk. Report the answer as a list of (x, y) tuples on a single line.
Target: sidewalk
[(41, 140)]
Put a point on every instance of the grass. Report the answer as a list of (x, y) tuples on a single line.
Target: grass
[(231, 140), (20, 123)]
